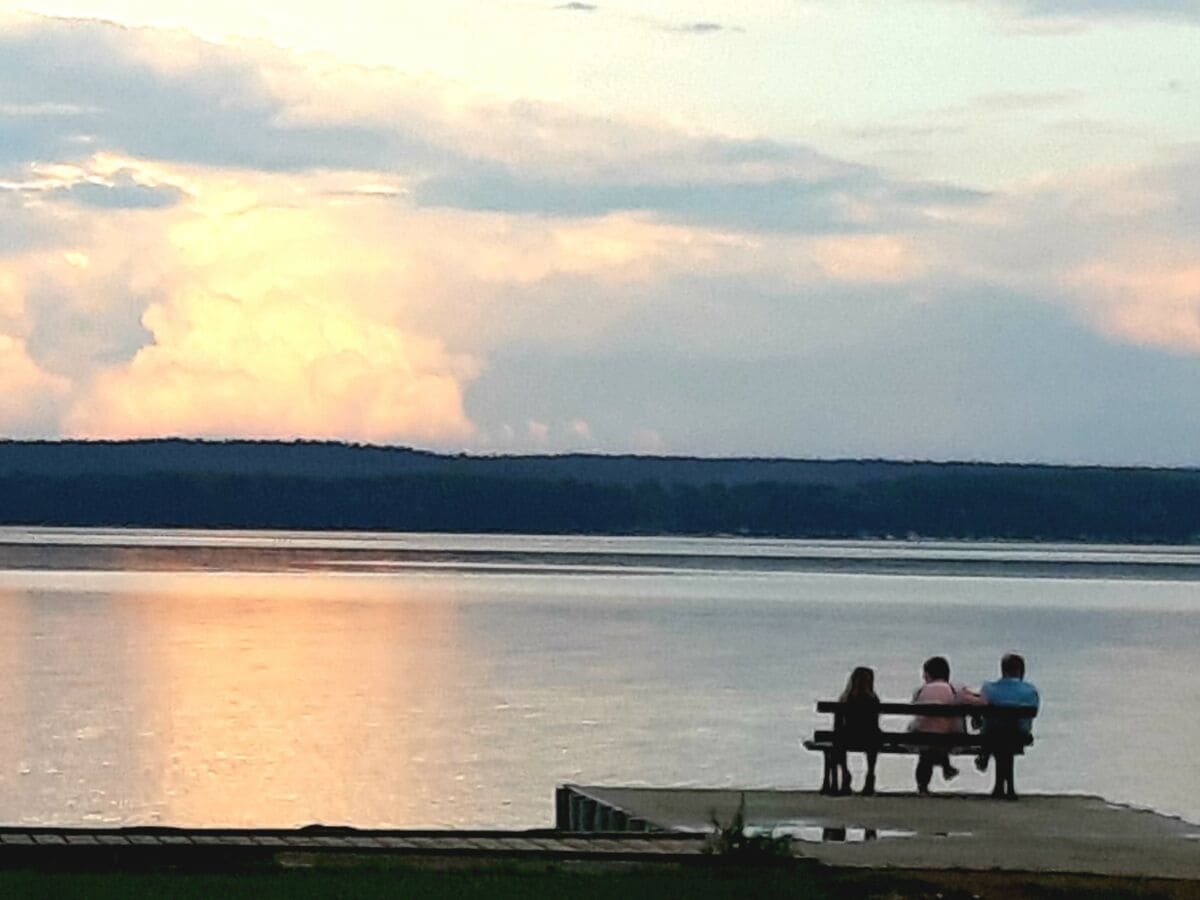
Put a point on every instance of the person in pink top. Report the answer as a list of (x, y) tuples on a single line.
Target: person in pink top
[(937, 688)]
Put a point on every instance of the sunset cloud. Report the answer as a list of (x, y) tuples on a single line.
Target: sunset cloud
[(30, 398), (1150, 299), (276, 367), (872, 258), (122, 191)]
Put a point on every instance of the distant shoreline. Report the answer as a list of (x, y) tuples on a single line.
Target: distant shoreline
[(339, 487)]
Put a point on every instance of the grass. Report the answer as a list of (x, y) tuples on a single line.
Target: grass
[(343, 876), (498, 882)]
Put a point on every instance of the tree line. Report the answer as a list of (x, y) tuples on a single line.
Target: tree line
[(978, 502)]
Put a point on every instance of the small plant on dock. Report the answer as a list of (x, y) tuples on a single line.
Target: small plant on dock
[(735, 842)]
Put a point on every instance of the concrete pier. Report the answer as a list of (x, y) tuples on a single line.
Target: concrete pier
[(1038, 833)]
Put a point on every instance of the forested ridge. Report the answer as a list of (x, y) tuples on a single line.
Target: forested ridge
[(240, 484)]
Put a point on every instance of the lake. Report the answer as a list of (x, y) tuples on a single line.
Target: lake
[(277, 679)]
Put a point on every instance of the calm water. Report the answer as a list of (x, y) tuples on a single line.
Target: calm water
[(264, 679)]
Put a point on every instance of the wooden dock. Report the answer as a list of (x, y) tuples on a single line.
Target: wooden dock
[(201, 846)]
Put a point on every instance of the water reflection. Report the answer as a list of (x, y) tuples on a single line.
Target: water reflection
[(460, 698), (268, 699), (15, 635), (68, 731)]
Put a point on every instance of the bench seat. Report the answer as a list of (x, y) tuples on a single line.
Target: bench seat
[(915, 742)]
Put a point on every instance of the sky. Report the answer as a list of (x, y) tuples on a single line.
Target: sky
[(916, 229)]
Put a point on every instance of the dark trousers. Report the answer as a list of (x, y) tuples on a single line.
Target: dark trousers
[(1005, 741), (926, 760), (1005, 786)]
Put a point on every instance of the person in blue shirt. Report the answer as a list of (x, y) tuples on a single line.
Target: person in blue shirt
[(1010, 690)]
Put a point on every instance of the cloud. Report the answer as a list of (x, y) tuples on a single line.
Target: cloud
[(1031, 324), (698, 28), (12, 300), (539, 432), (275, 367), (702, 28), (922, 132), (1182, 10), (31, 397), (1148, 301), (163, 95), (72, 332), (23, 229), (274, 316), (176, 323), (852, 200), (1122, 255), (1016, 101), (144, 94), (977, 375), (871, 259), (122, 191)]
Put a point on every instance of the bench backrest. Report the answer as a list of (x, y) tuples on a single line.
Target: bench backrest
[(945, 710)]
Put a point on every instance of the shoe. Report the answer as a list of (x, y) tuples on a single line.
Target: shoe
[(869, 786), (847, 783), (949, 773)]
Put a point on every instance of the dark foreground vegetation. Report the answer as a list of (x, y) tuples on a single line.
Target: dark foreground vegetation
[(504, 880), (335, 486)]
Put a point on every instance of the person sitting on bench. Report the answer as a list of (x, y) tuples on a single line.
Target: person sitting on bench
[(938, 689), (859, 726), (1011, 690)]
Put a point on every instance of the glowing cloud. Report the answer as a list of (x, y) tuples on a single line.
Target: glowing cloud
[(868, 258), (276, 367), (1147, 303), (28, 396)]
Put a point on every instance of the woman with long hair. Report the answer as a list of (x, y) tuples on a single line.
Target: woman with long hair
[(857, 727)]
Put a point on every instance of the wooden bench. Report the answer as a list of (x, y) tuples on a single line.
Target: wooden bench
[(1003, 739)]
